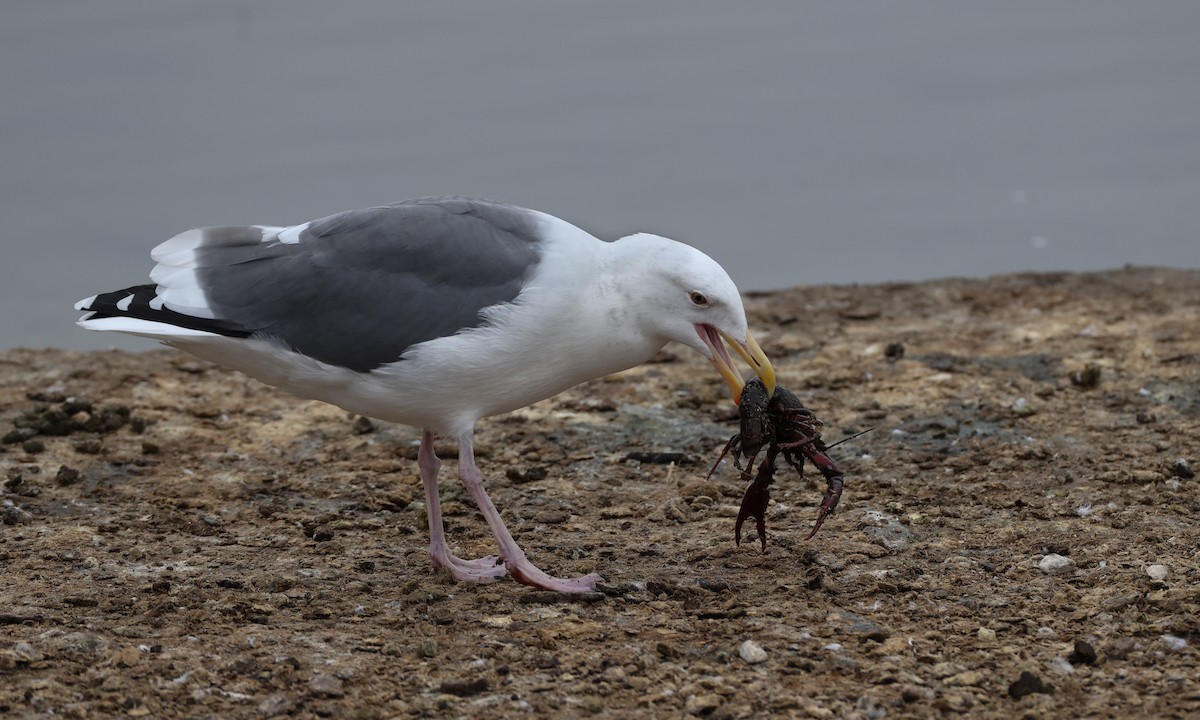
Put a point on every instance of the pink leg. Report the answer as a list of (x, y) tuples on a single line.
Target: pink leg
[(485, 569), (514, 558)]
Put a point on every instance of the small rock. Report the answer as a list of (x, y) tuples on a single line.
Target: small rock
[(66, 475), (702, 704), (1089, 377), (894, 351), (518, 474), (986, 635), (464, 688), (954, 702), (12, 515), (857, 625), (1083, 654), (1158, 573), (968, 678), (1062, 665), (18, 435), (614, 674), (326, 685), (1022, 408), (126, 657), (89, 446), (1174, 643), (1055, 564), (551, 517), (26, 653), (1120, 602), (1028, 684), (362, 426), (752, 652), (1181, 468), (277, 704), (1120, 648), (814, 710)]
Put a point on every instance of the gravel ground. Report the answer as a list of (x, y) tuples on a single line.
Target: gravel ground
[(1017, 538)]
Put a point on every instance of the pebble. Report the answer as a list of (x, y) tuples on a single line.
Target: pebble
[(1120, 602), (1062, 665), (327, 685), (1088, 377), (277, 704), (1022, 408), (858, 626), (1174, 643), (752, 652), (1028, 684), (465, 688), (1055, 564), (1182, 468), (1158, 573), (1120, 648), (813, 710), (954, 702), (986, 635), (26, 653), (12, 515), (67, 475), (702, 704), (968, 678), (1083, 654)]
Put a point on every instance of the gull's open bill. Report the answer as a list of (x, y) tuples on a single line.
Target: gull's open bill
[(747, 350)]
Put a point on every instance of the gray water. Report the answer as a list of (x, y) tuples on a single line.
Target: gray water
[(796, 142)]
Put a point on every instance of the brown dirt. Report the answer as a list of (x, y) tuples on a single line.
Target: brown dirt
[(247, 554)]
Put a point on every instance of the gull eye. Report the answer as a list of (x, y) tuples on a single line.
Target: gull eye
[(698, 298)]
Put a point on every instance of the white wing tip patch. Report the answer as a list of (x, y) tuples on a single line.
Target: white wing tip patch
[(86, 303), (186, 241), (291, 235), (144, 328)]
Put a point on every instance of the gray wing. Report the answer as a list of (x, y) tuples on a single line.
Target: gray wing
[(359, 288)]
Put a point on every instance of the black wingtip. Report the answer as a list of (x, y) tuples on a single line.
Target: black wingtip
[(143, 303)]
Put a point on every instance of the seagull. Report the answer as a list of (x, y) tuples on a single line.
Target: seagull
[(435, 313)]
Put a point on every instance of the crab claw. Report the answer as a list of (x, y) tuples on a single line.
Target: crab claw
[(833, 493), (754, 504)]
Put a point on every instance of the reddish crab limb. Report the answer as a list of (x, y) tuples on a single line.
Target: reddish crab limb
[(731, 445), (833, 493), (736, 447), (814, 450), (756, 499), (754, 505)]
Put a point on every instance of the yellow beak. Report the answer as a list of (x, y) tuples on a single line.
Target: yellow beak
[(748, 351)]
